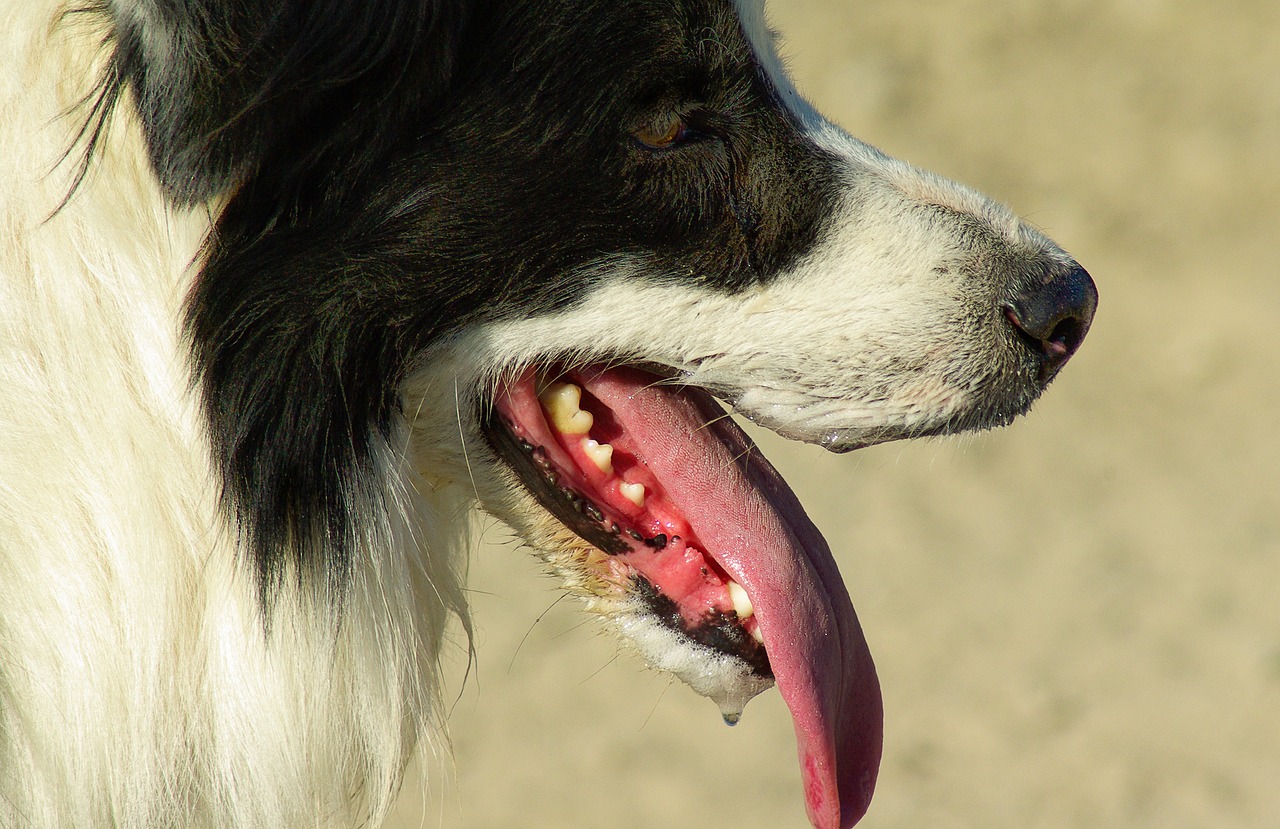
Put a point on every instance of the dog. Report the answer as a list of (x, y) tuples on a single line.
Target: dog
[(288, 288)]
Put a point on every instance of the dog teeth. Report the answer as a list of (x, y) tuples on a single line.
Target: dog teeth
[(561, 403), (741, 601), (757, 635), (632, 492), (601, 454)]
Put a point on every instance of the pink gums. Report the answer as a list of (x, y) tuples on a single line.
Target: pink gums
[(677, 567)]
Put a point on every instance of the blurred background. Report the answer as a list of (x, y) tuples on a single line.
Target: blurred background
[(1076, 620)]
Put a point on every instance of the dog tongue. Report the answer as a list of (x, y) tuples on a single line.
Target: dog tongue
[(754, 527)]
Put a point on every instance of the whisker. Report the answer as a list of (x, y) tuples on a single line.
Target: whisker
[(417, 412), (586, 621), (462, 438), (714, 420), (656, 703), (597, 671), (744, 455), (524, 638)]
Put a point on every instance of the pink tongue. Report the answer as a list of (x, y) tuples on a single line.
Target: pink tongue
[(754, 527)]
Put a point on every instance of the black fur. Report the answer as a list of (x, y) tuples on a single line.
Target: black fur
[(292, 95), (399, 168)]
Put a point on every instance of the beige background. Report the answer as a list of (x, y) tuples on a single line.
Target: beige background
[(1076, 620)]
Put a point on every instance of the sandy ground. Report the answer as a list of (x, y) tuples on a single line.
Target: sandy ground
[(1076, 619)]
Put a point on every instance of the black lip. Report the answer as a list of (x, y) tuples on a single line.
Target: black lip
[(715, 630), (567, 505)]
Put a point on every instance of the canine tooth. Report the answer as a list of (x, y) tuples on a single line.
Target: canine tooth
[(632, 492), (601, 454), (741, 601), (561, 402), (757, 635)]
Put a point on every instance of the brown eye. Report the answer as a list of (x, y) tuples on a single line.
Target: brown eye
[(663, 135)]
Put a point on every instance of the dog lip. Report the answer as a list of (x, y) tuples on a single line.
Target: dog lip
[(843, 440), (837, 441), (590, 500), (839, 444)]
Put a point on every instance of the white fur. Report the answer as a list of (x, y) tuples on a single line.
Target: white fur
[(137, 686)]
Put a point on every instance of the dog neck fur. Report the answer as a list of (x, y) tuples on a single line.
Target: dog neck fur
[(131, 651)]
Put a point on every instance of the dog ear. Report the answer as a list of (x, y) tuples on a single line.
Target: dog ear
[(228, 90)]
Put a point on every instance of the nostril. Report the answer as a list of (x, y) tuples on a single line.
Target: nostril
[(1066, 336), (1054, 316)]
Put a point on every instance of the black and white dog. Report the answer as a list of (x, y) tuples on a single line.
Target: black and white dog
[(286, 286)]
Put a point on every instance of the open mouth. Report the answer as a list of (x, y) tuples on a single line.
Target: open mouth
[(682, 517)]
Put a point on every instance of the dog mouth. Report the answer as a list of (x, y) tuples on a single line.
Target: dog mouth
[(670, 519)]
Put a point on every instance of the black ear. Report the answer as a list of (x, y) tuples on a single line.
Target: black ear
[(228, 89)]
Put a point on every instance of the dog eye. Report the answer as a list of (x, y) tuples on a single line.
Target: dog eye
[(664, 134)]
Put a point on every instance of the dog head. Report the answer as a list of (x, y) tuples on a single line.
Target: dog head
[(534, 243)]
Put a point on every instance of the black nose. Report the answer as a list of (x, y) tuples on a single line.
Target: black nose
[(1053, 316)]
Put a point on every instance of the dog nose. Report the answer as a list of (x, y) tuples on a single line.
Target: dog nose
[(1054, 315)]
